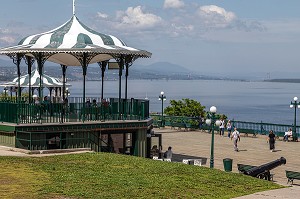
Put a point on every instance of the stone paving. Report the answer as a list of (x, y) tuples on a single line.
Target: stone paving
[(252, 151)]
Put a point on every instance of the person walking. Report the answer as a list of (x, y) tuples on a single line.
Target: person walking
[(229, 128), (236, 137), (222, 127), (271, 140)]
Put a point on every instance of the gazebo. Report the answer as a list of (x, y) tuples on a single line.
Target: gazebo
[(32, 83), (118, 125), (74, 44)]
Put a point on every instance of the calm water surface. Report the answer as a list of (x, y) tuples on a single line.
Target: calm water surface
[(246, 101)]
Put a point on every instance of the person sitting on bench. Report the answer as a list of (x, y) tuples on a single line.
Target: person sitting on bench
[(288, 134)]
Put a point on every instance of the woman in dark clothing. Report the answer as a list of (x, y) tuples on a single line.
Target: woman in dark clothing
[(272, 140)]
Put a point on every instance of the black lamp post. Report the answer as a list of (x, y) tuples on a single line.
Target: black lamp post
[(162, 97), (295, 104), (213, 122)]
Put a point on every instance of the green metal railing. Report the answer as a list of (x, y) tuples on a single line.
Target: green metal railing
[(263, 128), (188, 122), (244, 127), (74, 111)]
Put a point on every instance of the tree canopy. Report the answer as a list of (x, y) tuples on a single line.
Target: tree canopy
[(185, 107)]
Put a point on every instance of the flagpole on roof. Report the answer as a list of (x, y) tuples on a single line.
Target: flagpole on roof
[(74, 7)]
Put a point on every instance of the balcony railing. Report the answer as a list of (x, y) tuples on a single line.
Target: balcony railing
[(73, 111)]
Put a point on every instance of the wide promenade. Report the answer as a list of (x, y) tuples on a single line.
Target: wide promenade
[(252, 150)]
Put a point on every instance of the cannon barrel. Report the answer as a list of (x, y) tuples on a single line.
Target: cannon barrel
[(265, 167)]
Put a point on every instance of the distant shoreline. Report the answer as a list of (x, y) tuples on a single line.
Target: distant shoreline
[(283, 80)]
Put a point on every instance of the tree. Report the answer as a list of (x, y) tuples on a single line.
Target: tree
[(185, 107)]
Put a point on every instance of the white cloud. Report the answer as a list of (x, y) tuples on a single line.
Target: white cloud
[(136, 18), (102, 15), (215, 16), (178, 30), (173, 4)]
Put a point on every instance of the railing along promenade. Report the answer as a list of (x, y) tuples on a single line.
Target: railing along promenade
[(74, 110), (254, 128)]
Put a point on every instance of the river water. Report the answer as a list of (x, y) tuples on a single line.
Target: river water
[(243, 101)]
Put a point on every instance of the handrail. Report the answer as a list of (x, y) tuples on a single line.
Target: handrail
[(260, 127), (72, 111)]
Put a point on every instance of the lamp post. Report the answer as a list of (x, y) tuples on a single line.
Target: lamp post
[(295, 104), (162, 97), (212, 121)]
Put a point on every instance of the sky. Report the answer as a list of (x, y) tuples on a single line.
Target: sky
[(258, 38)]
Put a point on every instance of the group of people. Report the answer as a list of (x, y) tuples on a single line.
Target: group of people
[(228, 127), (235, 135), (166, 155)]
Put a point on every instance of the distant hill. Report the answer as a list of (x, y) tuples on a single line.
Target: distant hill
[(159, 70), (162, 68), (5, 63)]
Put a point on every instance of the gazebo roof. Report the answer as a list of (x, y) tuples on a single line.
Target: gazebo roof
[(48, 82), (72, 38)]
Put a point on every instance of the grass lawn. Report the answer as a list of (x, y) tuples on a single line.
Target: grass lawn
[(105, 175)]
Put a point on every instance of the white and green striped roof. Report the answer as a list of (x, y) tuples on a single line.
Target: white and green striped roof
[(48, 81), (74, 36)]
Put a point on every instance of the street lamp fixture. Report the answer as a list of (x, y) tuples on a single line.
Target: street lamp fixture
[(67, 92), (162, 98), (295, 104), (212, 120)]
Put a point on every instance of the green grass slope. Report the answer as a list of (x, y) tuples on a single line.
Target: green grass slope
[(105, 175)]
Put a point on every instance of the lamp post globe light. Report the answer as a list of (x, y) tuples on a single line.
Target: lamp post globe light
[(213, 122), (295, 104), (67, 92), (162, 97)]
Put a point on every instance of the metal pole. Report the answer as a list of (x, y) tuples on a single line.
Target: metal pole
[(212, 141), (84, 69), (294, 134), (162, 110)]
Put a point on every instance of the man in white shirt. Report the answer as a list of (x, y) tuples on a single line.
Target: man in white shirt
[(236, 137)]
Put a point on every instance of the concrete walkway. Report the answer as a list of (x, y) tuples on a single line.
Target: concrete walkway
[(252, 151)]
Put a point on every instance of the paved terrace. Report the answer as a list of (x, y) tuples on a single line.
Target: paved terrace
[(253, 150)]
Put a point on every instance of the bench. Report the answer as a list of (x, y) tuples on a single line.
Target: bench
[(291, 175), (248, 131), (245, 167), (191, 126), (178, 125), (281, 135)]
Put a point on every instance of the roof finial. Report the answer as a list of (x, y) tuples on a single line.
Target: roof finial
[(74, 7)]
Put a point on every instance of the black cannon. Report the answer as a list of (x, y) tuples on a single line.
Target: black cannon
[(263, 171)]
